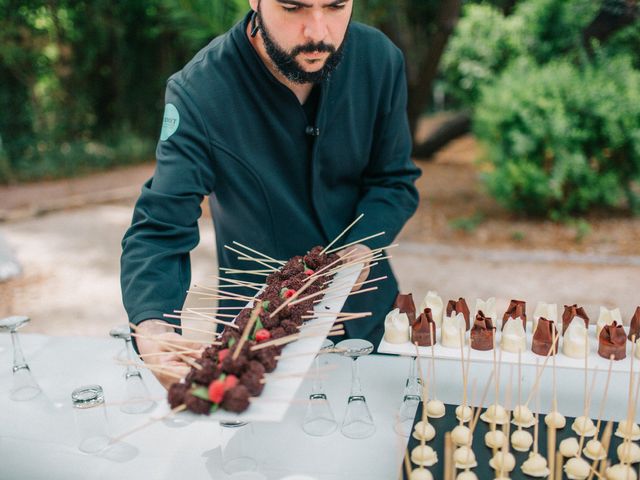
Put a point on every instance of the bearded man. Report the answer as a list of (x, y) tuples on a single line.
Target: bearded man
[(293, 123)]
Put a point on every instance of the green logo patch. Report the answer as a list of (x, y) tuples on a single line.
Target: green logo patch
[(170, 121)]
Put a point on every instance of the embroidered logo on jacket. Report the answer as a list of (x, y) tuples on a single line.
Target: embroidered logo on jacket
[(170, 121)]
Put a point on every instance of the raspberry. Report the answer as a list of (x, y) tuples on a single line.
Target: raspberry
[(216, 391), (230, 382), (308, 272), (262, 335), (289, 293), (222, 354)]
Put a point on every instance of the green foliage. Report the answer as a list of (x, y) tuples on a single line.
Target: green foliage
[(467, 224), (562, 139)]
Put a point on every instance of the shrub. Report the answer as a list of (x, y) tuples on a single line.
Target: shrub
[(562, 139)]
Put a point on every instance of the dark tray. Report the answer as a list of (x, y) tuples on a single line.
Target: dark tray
[(484, 453)]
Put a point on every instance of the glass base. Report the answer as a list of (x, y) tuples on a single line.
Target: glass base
[(238, 448), (24, 385), (358, 422), (137, 396), (406, 415), (319, 420), (94, 444)]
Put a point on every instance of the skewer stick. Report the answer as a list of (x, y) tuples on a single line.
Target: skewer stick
[(335, 297), (332, 314), (448, 457), (535, 427), (170, 345), (604, 397), (239, 285), (247, 330), (544, 364), (360, 240), (273, 377), (554, 400), (222, 292), (151, 421), (264, 264), (259, 253), (200, 317), (175, 342), (558, 463), (606, 442), (333, 289), (160, 354), (374, 258), (587, 404), (339, 237), (291, 338), (304, 354), (156, 367), (464, 376), (190, 329), (237, 271), (476, 417), (235, 280), (205, 315), (407, 465), (335, 322), (206, 309), (433, 360)]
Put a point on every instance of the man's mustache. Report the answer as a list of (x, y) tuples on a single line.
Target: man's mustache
[(312, 47)]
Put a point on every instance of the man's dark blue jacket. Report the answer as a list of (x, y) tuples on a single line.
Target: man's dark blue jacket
[(232, 131)]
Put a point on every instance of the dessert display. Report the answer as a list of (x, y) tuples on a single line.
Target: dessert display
[(612, 341), (459, 307), (607, 317), (517, 310), (404, 303), (423, 331), (424, 431), (535, 465), (514, 337), (555, 419), (434, 302), (577, 468), (543, 338), (488, 306), (575, 343), (482, 332), (397, 327), (546, 310), (450, 334), (464, 457), (572, 312), (621, 471), (424, 455), (569, 447), (523, 416), (521, 440), (494, 439), (503, 461)]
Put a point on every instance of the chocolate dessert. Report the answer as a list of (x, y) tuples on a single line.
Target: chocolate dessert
[(460, 306), (404, 302), (423, 331), (571, 311), (613, 341), (482, 333), (634, 326), (236, 399), (543, 338), (517, 309)]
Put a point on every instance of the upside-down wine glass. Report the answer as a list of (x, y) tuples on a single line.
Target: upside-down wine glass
[(24, 386), (319, 419), (358, 422), (137, 395), (410, 401)]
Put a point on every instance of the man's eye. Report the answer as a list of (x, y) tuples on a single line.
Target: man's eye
[(340, 6), (291, 8)]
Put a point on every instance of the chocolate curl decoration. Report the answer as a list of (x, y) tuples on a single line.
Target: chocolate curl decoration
[(571, 311), (404, 302), (460, 306), (422, 329), (634, 326), (613, 341), (517, 309), (482, 333), (543, 338)]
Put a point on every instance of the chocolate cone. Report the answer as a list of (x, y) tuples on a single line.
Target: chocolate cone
[(612, 341), (482, 333), (571, 311), (543, 338), (405, 303), (517, 308), (423, 331), (634, 326), (459, 307)]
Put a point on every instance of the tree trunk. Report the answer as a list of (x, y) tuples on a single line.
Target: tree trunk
[(449, 130)]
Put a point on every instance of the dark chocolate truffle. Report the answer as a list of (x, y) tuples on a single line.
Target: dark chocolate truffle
[(517, 309), (236, 399), (197, 404), (176, 394), (460, 306), (423, 331), (482, 333), (571, 311), (612, 341), (404, 302), (543, 337)]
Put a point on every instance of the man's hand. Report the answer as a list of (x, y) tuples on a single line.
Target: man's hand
[(360, 251), (164, 333)]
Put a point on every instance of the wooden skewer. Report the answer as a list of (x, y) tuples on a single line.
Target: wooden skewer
[(407, 465), (247, 258), (205, 315), (364, 259), (335, 297), (448, 457), (554, 401), (235, 280), (247, 330), (604, 396), (606, 441), (333, 289), (259, 253), (291, 338), (587, 404), (204, 309), (304, 354), (544, 364), (558, 463), (160, 354), (271, 376), (334, 314), (237, 271), (175, 342), (238, 285), (360, 240), (339, 237), (154, 368), (222, 292), (257, 260), (134, 401), (201, 318), (179, 408), (170, 345), (476, 416), (350, 258), (190, 329)]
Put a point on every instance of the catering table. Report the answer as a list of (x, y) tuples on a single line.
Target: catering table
[(38, 437)]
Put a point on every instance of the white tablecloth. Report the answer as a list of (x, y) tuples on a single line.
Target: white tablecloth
[(38, 437)]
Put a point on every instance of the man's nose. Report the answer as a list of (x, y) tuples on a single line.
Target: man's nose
[(315, 28)]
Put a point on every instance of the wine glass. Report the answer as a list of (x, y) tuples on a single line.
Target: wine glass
[(24, 386), (137, 397), (238, 447), (410, 401), (357, 422), (319, 419)]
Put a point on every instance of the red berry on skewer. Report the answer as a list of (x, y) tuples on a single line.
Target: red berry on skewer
[(230, 381), (289, 293), (262, 335), (308, 272), (216, 391), (222, 354)]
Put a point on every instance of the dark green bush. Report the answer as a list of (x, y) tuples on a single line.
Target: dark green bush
[(562, 139)]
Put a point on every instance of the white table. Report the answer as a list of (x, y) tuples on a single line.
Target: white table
[(37, 438)]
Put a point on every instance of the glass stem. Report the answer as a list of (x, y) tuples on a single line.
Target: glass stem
[(131, 369), (18, 357), (317, 382), (356, 388)]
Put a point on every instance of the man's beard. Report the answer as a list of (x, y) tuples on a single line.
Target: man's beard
[(286, 63)]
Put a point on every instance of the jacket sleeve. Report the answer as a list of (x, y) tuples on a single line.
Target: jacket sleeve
[(155, 264), (389, 196)]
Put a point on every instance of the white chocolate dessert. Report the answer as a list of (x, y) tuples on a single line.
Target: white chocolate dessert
[(461, 435), (466, 475), (435, 409), (584, 426), (495, 414), (464, 413), (421, 474), (546, 310), (434, 302), (535, 466), (396, 327), (628, 452), (629, 431), (487, 307), (577, 468), (424, 431), (569, 447), (621, 471), (607, 317), (513, 338), (594, 450), (575, 343), (494, 438), (503, 461), (451, 328), (555, 419), (521, 440), (464, 457), (523, 416), (424, 456)]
